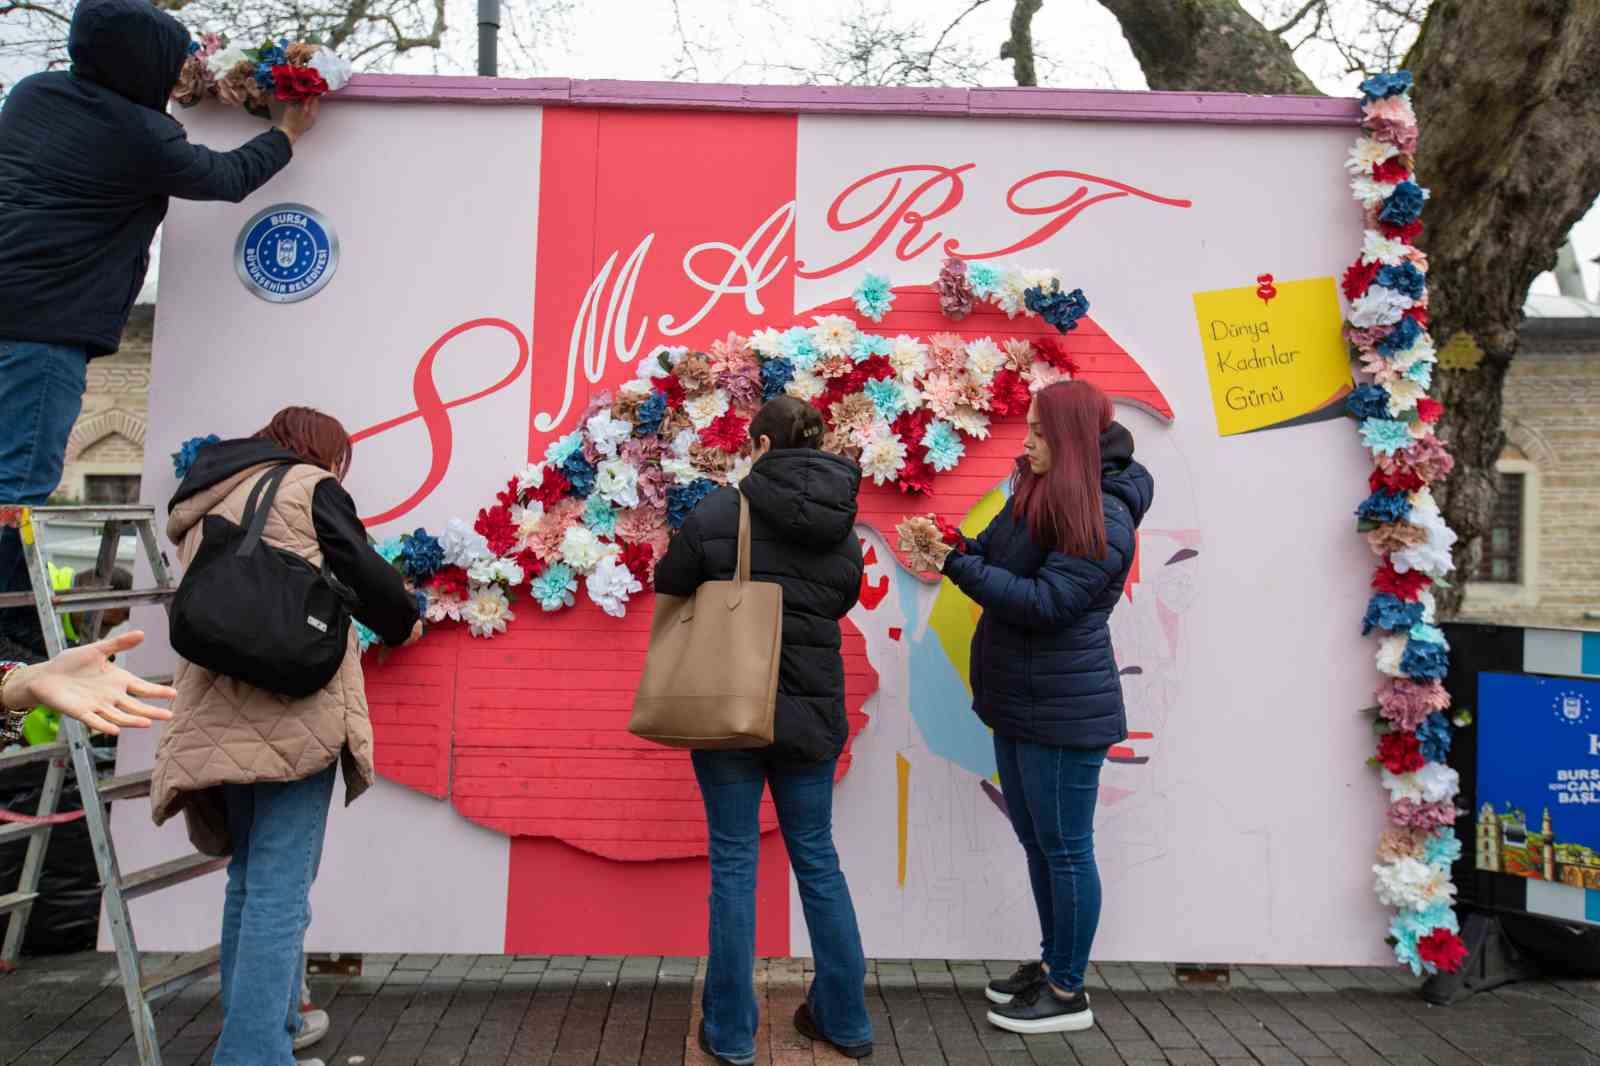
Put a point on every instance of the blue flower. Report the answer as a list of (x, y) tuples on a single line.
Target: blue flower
[(556, 588), (1384, 507), (264, 76), (1443, 847), (868, 345), (580, 472), (1421, 372), (1408, 927), (194, 46), (944, 446), (1425, 660), (600, 516), (1385, 436), (683, 499), (1404, 204), (1405, 279), (888, 397), (873, 297), (1401, 337), (1429, 634), (420, 598), (390, 549), (983, 278), (563, 448), (798, 348), (647, 419), (365, 638), (1389, 612), (422, 555), (775, 377), (273, 55), (183, 458), (1381, 85), (1368, 401), (1433, 734), (1061, 309)]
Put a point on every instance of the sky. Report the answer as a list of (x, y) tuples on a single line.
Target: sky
[(1080, 45)]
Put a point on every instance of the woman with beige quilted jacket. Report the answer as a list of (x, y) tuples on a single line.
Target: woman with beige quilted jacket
[(252, 771)]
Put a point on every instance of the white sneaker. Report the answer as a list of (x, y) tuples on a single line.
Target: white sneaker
[(315, 1028)]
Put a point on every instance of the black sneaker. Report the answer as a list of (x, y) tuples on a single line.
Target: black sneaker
[(807, 1027), (1039, 1010), (705, 1046), (1024, 977)]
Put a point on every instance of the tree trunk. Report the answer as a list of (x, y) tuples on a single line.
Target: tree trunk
[(1019, 49), (1508, 101), (1207, 45)]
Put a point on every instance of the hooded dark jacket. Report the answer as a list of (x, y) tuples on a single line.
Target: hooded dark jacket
[(1042, 664), (802, 537), (88, 158)]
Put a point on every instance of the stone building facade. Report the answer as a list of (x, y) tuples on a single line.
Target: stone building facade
[(105, 454)]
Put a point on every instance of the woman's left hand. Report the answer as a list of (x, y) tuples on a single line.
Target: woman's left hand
[(84, 683)]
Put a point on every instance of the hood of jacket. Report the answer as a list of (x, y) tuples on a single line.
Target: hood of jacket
[(216, 469), (809, 494), (129, 47), (1121, 475)]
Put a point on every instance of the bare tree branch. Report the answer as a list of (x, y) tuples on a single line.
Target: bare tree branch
[(1019, 47), (1319, 6)]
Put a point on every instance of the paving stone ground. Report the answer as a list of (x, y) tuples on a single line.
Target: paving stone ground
[(432, 1010)]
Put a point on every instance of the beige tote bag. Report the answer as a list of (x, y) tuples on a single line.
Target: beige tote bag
[(711, 676)]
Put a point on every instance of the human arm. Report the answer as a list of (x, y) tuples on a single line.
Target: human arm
[(83, 683), (385, 605), (1063, 588), (854, 567), (195, 172), (682, 570)]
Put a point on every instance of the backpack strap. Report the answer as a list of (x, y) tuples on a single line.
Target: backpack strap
[(258, 506)]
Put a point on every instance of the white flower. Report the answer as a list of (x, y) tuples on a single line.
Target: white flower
[(1433, 556), (1370, 192), (610, 586), (1434, 783), (1410, 884), (972, 422), (488, 611), (531, 477), (462, 547), (1042, 375), (334, 68), (1367, 153), (1379, 306), (1011, 295), (650, 367), (767, 342), (219, 63), (636, 388), (1403, 396), (680, 470), (1390, 651), (706, 408), (741, 469), (527, 519), (617, 482), (492, 571), (834, 335), (805, 385), (607, 434), (444, 608), (909, 357), (683, 442), (984, 360), (882, 453), (1430, 606), (582, 550), (1376, 248)]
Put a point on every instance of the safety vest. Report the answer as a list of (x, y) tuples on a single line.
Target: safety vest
[(42, 725)]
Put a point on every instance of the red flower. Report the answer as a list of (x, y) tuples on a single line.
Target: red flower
[(916, 476), (1429, 409), (532, 565), (1400, 753), (639, 558), (495, 525), (670, 387), (552, 490), (911, 426), (510, 496), (1053, 350), (1407, 586), (1358, 279), (728, 432), (1009, 395), (448, 581), (874, 368), (1443, 949), (948, 533), (1408, 233), (1392, 170), (1420, 314), (297, 83), (1395, 479)]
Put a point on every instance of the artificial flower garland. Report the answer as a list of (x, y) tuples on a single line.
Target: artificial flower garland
[(600, 507), (251, 77), (1388, 327)]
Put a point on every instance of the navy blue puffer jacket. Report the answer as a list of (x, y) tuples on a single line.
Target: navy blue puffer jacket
[(1042, 666)]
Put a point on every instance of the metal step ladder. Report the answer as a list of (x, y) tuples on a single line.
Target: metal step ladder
[(117, 889)]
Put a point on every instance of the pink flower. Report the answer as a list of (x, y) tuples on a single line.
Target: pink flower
[(1414, 814), (640, 525), (732, 355), (1406, 703), (943, 394), (546, 540), (1401, 844), (947, 352)]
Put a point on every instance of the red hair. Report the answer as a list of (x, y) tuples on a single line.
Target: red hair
[(317, 438), (1062, 507)]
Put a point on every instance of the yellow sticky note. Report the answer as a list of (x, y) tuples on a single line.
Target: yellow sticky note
[(1274, 353)]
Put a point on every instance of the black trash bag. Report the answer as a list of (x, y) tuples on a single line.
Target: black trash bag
[(66, 916)]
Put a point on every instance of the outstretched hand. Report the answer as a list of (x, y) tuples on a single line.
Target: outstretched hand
[(299, 117), (83, 683)]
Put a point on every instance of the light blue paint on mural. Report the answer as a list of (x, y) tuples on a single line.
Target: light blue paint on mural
[(940, 703)]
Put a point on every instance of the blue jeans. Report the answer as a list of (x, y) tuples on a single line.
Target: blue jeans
[(731, 783), (277, 831), (41, 394), (1050, 793)]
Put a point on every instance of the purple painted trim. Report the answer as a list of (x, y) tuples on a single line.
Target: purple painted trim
[(1083, 104)]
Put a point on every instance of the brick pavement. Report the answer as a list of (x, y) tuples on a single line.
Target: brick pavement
[(517, 1011)]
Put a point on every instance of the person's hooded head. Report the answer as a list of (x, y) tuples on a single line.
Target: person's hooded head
[(129, 47)]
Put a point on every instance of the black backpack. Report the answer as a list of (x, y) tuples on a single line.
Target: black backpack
[(258, 613)]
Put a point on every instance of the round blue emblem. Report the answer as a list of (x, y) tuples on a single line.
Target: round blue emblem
[(286, 253)]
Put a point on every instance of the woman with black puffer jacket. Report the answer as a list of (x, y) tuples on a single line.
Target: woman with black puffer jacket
[(1047, 572), (802, 537)]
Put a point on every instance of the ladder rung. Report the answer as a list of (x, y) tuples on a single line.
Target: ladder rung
[(144, 882), (37, 753), (13, 830), (15, 900), (129, 786), (101, 599), (181, 972), (133, 512)]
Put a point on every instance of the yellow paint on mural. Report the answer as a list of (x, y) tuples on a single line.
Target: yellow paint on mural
[(954, 617), (1271, 361), (902, 769)]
